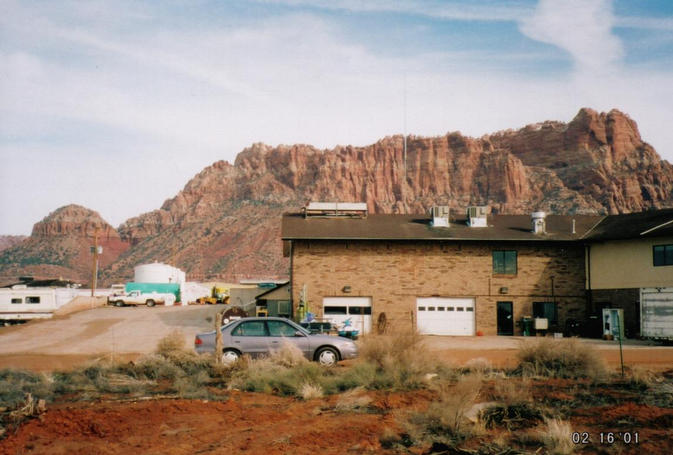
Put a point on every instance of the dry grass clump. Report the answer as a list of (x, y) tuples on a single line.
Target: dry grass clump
[(15, 385), (515, 408), (556, 437), (353, 400), (273, 375), (398, 362), (289, 355), (174, 341), (566, 358), (444, 423), (309, 391), (478, 365)]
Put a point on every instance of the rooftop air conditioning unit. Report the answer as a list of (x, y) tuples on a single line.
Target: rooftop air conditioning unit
[(440, 216), (477, 216)]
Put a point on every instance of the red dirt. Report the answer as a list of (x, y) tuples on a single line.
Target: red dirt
[(247, 422), (261, 424), (654, 359)]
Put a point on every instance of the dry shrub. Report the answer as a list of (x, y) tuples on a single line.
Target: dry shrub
[(643, 378), (289, 355), (353, 400), (394, 362), (512, 391), (444, 423), (566, 358), (514, 409), (556, 436), (16, 384), (270, 376), (478, 365), (310, 391), (174, 341)]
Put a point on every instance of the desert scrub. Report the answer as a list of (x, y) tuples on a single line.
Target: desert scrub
[(556, 437), (444, 424), (16, 384), (566, 358), (514, 408), (398, 362), (283, 372)]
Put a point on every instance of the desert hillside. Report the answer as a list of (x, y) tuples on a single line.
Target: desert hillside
[(226, 221)]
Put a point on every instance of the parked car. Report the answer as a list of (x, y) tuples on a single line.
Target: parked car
[(261, 335), (136, 298)]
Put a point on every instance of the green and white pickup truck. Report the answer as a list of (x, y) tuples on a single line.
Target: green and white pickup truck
[(136, 298)]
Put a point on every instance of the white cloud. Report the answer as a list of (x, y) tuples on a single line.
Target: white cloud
[(583, 28)]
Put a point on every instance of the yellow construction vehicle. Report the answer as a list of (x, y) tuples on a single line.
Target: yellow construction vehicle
[(217, 295)]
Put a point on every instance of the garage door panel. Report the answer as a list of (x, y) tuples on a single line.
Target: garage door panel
[(445, 316), (357, 309)]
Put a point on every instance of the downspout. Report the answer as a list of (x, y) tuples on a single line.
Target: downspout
[(590, 303), (291, 280)]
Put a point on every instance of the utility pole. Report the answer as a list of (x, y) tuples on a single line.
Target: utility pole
[(405, 125), (96, 250)]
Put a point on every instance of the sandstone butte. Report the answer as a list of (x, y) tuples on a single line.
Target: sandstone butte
[(225, 223)]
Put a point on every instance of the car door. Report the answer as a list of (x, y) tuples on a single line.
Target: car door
[(281, 332), (250, 337)]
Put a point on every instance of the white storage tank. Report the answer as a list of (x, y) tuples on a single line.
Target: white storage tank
[(158, 273)]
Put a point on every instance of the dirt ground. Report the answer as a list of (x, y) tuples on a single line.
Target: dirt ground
[(127, 333), (260, 424), (267, 424)]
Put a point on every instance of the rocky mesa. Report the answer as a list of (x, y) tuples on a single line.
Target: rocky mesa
[(225, 223), (59, 246)]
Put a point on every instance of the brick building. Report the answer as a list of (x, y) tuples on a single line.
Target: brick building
[(458, 275)]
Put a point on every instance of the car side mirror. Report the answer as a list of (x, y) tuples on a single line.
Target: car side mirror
[(298, 334)]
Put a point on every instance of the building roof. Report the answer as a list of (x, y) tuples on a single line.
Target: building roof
[(418, 227), (282, 292), (653, 223)]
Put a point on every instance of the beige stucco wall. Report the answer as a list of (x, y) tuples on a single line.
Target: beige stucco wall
[(622, 264), (394, 274)]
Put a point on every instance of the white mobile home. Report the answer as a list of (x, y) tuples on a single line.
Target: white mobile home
[(21, 303)]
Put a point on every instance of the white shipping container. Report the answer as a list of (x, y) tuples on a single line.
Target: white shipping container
[(656, 313)]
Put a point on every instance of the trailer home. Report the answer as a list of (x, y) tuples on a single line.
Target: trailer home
[(22, 304)]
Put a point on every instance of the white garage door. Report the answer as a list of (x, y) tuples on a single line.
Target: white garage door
[(445, 316), (357, 309)]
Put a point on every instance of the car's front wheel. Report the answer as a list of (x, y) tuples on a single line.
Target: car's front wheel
[(230, 356), (327, 357), (119, 303)]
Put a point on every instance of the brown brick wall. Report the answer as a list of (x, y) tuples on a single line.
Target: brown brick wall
[(393, 274)]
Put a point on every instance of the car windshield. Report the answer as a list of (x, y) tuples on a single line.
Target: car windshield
[(298, 327)]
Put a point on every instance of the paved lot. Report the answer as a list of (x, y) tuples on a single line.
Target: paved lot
[(108, 331), (126, 333)]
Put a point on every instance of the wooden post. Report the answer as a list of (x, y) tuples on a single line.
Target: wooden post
[(218, 337)]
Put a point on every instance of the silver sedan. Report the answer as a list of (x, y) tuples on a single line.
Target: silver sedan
[(260, 336)]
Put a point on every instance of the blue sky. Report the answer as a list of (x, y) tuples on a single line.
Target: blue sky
[(115, 105)]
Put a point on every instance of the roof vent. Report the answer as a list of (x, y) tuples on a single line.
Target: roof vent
[(440, 216), (336, 209), (537, 218), (476, 216)]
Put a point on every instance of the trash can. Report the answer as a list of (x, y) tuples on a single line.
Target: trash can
[(527, 323)]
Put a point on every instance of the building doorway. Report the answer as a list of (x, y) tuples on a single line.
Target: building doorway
[(505, 319)]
